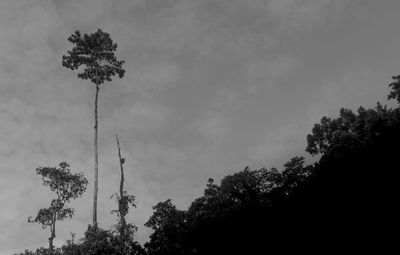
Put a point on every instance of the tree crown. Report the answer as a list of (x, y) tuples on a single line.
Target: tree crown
[(63, 182), (95, 52), (66, 185)]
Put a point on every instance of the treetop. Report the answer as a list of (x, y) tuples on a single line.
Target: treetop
[(96, 53)]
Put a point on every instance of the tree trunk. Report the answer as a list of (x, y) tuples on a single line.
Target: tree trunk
[(51, 245), (121, 193), (121, 201), (96, 160), (52, 235)]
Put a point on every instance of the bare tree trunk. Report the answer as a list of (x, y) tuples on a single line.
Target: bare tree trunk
[(96, 160), (121, 192), (121, 201)]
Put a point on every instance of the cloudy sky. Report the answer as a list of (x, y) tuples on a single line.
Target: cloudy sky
[(211, 86)]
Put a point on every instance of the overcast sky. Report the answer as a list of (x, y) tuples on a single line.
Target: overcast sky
[(211, 86)]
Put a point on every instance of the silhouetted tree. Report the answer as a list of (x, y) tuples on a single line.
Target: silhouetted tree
[(228, 217), (96, 52), (352, 185), (345, 200), (168, 225), (126, 231), (67, 186)]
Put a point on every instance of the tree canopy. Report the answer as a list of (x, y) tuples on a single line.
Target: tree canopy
[(96, 53), (345, 199)]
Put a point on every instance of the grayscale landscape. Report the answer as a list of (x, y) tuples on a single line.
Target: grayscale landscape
[(198, 126)]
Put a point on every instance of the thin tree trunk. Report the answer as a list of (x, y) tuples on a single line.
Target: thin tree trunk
[(96, 160), (121, 192), (52, 235), (51, 246)]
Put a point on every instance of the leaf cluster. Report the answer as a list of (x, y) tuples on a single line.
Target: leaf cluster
[(67, 186), (96, 53), (60, 180), (395, 86), (350, 130), (123, 203)]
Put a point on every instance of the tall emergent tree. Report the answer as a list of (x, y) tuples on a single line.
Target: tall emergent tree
[(67, 186), (95, 52)]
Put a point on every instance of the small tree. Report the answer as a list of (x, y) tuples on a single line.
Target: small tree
[(96, 53), (67, 186)]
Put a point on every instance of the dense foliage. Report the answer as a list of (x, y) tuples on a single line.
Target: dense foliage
[(346, 199), (96, 52)]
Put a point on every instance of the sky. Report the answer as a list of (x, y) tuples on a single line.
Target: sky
[(211, 86)]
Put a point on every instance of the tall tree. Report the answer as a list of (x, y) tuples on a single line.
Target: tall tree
[(122, 202), (67, 186), (96, 53), (126, 231)]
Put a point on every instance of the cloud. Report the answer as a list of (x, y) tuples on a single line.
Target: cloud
[(277, 146), (150, 76), (300, 16), (268, 73), (212, 127), (351, 90), (75, 13)]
